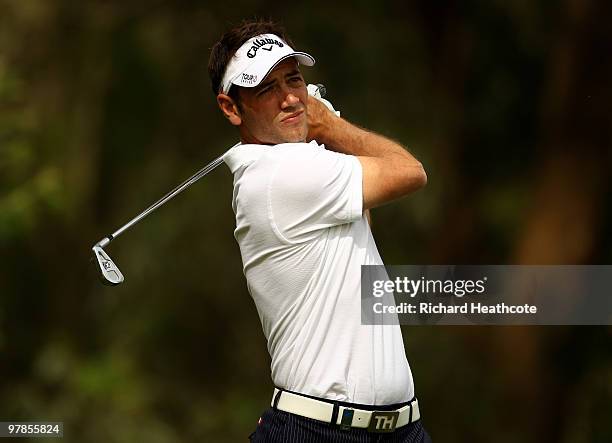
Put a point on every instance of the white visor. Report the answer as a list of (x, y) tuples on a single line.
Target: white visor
[(255, 59)]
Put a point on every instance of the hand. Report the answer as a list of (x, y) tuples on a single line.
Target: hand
[(320, 120)]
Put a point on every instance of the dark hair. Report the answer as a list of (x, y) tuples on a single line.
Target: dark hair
[(223, 51)]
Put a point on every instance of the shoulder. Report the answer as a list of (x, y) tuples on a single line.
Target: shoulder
[(241, 156), (312, 168)]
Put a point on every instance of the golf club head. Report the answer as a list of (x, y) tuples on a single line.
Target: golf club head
[(109, 272)]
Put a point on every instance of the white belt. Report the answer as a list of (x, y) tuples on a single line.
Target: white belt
[(374, 421)]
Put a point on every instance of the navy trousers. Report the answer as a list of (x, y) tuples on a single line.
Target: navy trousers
[(282, 427)]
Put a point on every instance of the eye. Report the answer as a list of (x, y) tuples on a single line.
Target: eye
[(296, 80)]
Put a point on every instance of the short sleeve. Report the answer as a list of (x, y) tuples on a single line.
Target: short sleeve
[(313, 189)]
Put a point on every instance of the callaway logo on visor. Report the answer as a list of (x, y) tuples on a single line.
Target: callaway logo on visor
[(261, 43)]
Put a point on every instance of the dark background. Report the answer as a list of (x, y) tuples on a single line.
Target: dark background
[(105, 106)]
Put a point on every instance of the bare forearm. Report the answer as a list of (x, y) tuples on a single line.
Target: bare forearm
[(389, 170), (340, 135)]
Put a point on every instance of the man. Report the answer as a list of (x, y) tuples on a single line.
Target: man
[(304, 179)]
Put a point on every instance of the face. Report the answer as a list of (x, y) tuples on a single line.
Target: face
[(274, 111)]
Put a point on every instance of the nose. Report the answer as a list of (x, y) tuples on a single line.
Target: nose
[(289, 99)]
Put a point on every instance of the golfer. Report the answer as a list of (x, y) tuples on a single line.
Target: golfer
[(304, 180)]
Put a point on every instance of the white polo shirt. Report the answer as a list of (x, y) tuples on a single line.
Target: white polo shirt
[(303, 238)]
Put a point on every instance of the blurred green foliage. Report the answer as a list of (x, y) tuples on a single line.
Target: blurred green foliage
[(105, 106)]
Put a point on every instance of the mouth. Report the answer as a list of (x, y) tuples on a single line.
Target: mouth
[(292, 118)]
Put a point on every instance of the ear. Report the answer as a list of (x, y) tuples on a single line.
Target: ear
[(229, 109)]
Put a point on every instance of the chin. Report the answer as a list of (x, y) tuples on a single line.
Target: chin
[(297, 140), (296, 136)]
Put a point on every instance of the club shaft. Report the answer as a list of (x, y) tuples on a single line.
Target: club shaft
[(180, 188)]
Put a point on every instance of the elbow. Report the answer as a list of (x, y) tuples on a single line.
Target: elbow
[(412, 179), (422, 176), (417, 177)]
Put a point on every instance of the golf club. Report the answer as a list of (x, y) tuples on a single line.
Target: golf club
[(109, 272)]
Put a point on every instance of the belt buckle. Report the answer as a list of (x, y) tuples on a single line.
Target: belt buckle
[(347, 419), (383, 421)]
